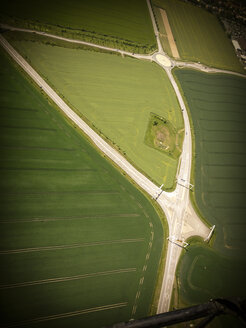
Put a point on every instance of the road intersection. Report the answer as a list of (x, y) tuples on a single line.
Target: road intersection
[(182, 219)]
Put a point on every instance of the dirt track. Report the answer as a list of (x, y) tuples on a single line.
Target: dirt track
[(170, 37)]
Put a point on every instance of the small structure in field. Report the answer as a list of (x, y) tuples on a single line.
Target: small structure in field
[(162, 136)]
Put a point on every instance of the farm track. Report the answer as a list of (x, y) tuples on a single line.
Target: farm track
[(67, 314), (45, 169), (176, 205), (64, 279), (130, 215), (72, 246), (40, 148), (88, 192), (170, 37)]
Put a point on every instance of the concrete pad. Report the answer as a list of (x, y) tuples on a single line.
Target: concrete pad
[(163, 60)]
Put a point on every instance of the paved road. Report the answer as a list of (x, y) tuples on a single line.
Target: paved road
[(150, 57), (205, 68), (177, 211), (182, 219)]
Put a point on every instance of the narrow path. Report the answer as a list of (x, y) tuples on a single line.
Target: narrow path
[(65, 279), (71, 246), (67, 315)]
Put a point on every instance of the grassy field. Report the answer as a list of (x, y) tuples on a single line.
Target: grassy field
[(198, 35), (217, 107), (114, 94), (76, 238), (120, 24)]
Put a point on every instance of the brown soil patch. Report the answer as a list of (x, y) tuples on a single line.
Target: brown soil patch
[(170, 37), (162, 138)]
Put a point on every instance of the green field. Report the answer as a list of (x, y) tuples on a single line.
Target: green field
[(119, 24), (217, 106), (198, 35), (75, 233), (116, 95)]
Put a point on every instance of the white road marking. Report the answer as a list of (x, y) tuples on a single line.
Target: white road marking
[(134, 309), (141, 281)]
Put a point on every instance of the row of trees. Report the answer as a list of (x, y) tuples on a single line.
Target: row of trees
[(88, 36)]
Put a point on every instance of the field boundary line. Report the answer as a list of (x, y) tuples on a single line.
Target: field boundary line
[(78, 192), (68, 314), (130, 215), (64, 279), (45, 169), (58, 247), (40, 148)]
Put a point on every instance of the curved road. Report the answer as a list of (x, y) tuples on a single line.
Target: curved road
[(182, 219)]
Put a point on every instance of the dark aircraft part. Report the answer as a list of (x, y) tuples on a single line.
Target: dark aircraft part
[(208, 311)]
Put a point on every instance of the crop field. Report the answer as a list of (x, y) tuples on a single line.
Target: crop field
[(203, 274), (116, 95), (120, 24), (79, 244), (198, 35), (217, 107)]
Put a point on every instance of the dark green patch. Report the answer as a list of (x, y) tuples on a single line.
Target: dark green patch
[(66, 212), (217, 107)]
